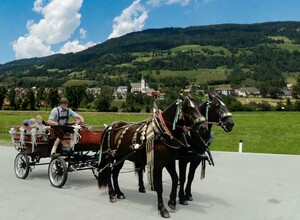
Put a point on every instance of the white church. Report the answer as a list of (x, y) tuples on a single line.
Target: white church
[(141, 87)]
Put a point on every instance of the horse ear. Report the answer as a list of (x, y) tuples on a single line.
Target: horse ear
[(181, 97), (211, 96), (155, 108)]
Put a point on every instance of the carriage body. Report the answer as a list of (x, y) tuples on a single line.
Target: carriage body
[(81, 152), (40, 145)]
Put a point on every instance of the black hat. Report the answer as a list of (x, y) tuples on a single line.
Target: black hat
[(64, 100)]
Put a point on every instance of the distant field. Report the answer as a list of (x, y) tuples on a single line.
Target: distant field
[(199, 48), (272, 102), (288, 43), (291, 77), (200, 75), (77, 82), (261, 132)]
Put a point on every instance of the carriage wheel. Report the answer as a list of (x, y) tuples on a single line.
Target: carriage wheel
[(58, 172), (21, 165)]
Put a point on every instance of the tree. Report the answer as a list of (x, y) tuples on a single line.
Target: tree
[(289, 105), (297, 106), (30, 99), (103, 101), (40, 96), (2, 95), (53, 97), (296, 90), (75, 95), (12, 98)]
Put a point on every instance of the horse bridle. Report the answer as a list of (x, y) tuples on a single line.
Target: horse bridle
[(221, 116), (183, 115)]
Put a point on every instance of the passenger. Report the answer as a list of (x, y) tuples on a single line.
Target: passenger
[(29, 122), (58, 118), (39, 124)]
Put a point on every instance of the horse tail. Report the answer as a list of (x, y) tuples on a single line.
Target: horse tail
[(104, 171), (105, 162)]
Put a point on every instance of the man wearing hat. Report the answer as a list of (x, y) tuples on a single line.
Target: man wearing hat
[(58, 118)]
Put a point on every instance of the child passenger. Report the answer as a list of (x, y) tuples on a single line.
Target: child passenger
[(39, 124)]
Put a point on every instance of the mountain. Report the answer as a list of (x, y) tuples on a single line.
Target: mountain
[(206, 47)]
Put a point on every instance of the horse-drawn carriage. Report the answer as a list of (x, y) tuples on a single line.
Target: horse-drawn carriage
[(33, 145), (157, 142)]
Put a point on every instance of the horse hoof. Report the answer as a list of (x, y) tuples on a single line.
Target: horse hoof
[(189, 198), (113, 199), (183, 202), (142, 190), (121, 196), (172, 204), (164, 213)]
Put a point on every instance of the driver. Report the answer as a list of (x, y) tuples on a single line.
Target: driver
[(58, 118)]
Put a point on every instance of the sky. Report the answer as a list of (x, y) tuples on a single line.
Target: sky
[(36, 28)]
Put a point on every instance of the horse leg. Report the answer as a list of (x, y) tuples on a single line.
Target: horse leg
[(157, 175), (115, 175), (172, 171), (140, 173), (182, 178), (193, 166), (104, 177)]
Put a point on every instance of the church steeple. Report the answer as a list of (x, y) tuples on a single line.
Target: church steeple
[(143, 85)]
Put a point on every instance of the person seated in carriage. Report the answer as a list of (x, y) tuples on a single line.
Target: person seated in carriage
[(28, 122), (58, 118), (39, 125)]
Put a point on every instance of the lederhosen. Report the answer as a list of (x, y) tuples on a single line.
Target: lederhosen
[(62, 130)]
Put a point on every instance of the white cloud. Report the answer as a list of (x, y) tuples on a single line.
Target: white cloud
[(131, 19), (82, 33), (31, 46), (38, 6), (74, 46), (167, 2), (60, 20)]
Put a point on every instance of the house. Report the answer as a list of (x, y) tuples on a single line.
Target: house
[(247, 91), (94, 91), (224, 91), (121, 92), (286, 94)]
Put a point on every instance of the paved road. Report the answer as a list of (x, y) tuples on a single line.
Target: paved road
[(240, 186)]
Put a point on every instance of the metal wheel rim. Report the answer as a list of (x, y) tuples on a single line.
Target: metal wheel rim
[(56, 172), (20, 165)]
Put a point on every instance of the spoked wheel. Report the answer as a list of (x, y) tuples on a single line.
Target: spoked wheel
[(58, 172), (21, 165)]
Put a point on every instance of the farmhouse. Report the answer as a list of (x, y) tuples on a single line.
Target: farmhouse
[(224, 91), (247, 91), (121, 92)]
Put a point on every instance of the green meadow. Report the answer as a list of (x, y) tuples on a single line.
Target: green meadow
[(261, 132)]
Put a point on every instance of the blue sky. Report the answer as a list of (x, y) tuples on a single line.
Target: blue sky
[(34, 28)]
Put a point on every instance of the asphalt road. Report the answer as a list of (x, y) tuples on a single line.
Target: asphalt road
[(240, 186)]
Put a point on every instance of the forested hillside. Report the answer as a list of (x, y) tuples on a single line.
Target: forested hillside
[(265, 55)]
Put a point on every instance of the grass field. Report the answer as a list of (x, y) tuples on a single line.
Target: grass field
[(288, 43), (199, 48), (261, 132), (198, 76)]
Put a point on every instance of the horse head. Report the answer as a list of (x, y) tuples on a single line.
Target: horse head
[(184, 114), (191, 114), (217, 112)]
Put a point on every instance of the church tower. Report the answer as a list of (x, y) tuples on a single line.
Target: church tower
[(143, 85)]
